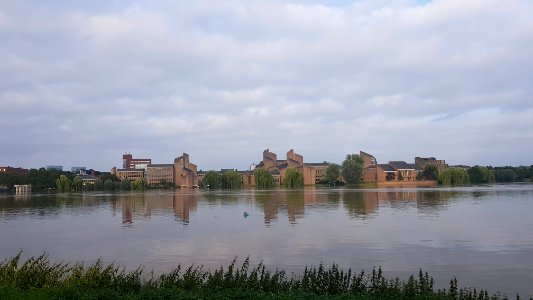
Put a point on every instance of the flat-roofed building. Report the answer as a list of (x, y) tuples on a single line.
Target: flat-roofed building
[(76, 170), (320, 170), (11, 170), (130, 174), (128, 162), (160, 174), (422, 162), (87, 179), (54, 167)]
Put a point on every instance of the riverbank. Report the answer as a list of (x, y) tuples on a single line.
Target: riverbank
[(39, 278)]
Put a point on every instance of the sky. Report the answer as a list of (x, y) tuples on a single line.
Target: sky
[(83, 82)]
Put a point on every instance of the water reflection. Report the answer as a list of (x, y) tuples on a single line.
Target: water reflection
[(481, 233), (294, 204), (144, 205)]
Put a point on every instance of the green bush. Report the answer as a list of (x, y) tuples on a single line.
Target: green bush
[(38, 278)]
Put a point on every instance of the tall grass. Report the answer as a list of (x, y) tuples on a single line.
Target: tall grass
[(37, 277)]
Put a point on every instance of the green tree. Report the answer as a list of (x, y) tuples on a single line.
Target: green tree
[(263, 179), (63, 184), (109, 185), (125, 184), (42, 179), (352, 168), (88, 187), (505, 175), (77, 184), (212, 180), (430, 172), (139, 184), (231, 180), (479, 174), (293, 179), (98, 184), (111, 177), (9, 180), (332, 173), (453, 176)]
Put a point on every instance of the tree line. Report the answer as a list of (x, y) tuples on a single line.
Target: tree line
[(108, 182), (45, 180), (349, 172), (480, 175)]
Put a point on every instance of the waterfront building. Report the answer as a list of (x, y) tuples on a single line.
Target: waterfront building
[(185, 172), (278, 168), (422, 162), (392, 171), (159, 174), (87, 179), (22, 188), (129, 174), (128, 162), (320, 170), (182, 173)]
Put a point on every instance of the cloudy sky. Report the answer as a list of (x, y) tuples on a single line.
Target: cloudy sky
[(82, 82)]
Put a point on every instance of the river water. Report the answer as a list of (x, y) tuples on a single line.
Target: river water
[(483, 235)]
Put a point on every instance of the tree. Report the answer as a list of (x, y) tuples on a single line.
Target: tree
[(98, 184), (139, 184), (506, 175), (431, 172), (77, 184), (111, 177), (293, 179), (263, 179), (479, 174), (125, 184), (332, 173), (453, 176), (63, 184), (212, 180), (9, 180), (352, 168), (231, 180), (109, 185)]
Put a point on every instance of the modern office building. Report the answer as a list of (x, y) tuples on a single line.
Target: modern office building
[(76, 170), (129, 174), (128, 162), (159, 174)]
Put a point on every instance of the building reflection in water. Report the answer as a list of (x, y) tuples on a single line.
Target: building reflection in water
[(293, 203), (143, 205)]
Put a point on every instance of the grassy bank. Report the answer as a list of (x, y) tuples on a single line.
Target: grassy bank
[(39, 278)]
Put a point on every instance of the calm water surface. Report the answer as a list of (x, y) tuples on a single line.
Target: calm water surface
[(482, 235)]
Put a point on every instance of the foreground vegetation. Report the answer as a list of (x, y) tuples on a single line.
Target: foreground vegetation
[(38, 278)]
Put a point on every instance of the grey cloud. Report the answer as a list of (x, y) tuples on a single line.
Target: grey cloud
[(223, 81)]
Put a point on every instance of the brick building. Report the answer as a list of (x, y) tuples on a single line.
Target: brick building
[(159, 174), (128, 162)]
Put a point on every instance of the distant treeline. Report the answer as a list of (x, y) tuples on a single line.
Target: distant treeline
[(481, 175), (45, 180), (512, 174)]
